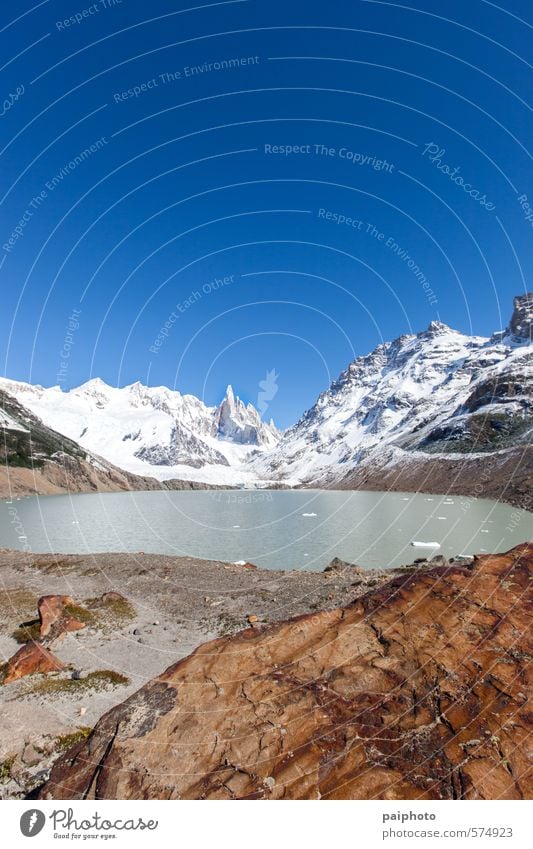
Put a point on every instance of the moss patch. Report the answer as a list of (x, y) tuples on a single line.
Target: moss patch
[(80, 613), (66, 741), (56, 566), (96, 681), (5, 769), (111, 613), (28, 631)]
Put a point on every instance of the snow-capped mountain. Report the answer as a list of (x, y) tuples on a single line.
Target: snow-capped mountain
[(154, 431), (414, 414), (438, 391)]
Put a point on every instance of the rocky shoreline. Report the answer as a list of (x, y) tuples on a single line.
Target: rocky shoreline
[(506, 475), (173, 605), (136, 614)]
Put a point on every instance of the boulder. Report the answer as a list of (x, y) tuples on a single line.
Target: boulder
[(31, 657), (416, 691), (438, 560), (55, 616), (338, 565), (112, 595)]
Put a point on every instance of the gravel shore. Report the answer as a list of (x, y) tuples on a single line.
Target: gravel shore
[(174, 605)]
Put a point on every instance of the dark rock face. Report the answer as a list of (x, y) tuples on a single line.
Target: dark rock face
[(417, 690), (522, 318), (338, 565)]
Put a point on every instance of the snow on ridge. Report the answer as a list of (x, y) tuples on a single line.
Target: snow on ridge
[(153, 431), (395, 396), (391, 399)]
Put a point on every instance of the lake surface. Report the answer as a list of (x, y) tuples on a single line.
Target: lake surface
[(275, 530)]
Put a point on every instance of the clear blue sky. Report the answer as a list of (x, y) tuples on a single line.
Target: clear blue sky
[(186, 185)]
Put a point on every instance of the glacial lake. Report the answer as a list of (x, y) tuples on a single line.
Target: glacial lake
[(273, 529)]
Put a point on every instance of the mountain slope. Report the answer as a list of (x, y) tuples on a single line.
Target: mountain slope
[(421, 397), (34, 459), (154, 431), (433, 411)]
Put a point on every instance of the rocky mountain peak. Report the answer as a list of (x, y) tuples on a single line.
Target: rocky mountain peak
[(435, 328), (522, 317)]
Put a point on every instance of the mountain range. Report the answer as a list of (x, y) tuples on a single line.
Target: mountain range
[(438, 411), (154, 431)]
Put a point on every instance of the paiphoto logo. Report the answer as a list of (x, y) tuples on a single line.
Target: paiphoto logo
[(32, 822)]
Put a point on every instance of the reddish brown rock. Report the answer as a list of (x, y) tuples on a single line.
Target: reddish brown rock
[(55, 615), (31, 658), (417, 690)]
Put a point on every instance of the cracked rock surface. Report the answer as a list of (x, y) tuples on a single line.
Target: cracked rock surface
[(416, 690)]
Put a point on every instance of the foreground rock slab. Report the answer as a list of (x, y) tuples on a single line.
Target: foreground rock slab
[(417, 690)]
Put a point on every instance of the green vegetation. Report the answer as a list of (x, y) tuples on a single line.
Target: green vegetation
[(66, 741), (28, 631), (5, 769), (111, 614), (481, 432), (56, 566), (30, 448), (96, 681), (80, 613)]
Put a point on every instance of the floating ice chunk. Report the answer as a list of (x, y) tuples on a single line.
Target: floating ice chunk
[(442, 518), (418, 544), (236, 526), (309, 514)]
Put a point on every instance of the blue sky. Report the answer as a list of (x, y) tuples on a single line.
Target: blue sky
[(213, 193)]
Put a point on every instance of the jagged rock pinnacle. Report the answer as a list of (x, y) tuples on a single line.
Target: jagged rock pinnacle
[(522, 317)]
